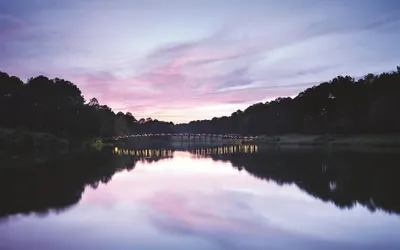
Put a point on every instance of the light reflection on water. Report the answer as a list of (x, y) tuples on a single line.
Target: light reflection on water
[(188, 202), (220, 150)]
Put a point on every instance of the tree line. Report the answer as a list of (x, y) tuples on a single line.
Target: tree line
[(57, 106), (343, 105)]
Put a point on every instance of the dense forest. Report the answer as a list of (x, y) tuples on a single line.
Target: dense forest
[(343, 105), (57, 106)]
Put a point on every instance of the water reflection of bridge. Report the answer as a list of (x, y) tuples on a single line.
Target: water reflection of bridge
[(149, 153), (167, 153)]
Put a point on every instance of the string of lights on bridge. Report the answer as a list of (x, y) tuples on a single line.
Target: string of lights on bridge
[(187, 135)]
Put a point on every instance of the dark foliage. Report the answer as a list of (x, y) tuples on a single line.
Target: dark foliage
[(343, 105), (57, 106)]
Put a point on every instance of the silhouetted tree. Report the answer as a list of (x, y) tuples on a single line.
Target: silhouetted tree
[(58, 107)]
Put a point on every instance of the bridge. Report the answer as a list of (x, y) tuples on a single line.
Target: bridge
[(188, 136)]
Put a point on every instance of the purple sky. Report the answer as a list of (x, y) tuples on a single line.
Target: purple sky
[(183, 60)]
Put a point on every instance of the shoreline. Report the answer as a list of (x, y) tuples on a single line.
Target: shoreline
[(23, 144), (334, 140), (19, 143)]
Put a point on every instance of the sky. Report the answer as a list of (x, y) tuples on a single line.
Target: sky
[(182, 60)]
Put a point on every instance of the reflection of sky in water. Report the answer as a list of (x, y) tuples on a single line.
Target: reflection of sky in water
[(183, 203)]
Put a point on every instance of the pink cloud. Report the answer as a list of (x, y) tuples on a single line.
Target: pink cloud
[(187, 77), (173, 82)]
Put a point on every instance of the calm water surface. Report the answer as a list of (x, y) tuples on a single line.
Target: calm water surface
[(206, 199)]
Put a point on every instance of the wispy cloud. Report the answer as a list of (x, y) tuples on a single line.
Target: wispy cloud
[(182, 76), (8, 22)]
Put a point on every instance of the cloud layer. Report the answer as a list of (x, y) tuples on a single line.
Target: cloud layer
[(181, 62)]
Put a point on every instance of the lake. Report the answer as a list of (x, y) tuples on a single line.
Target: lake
[(231, 197)]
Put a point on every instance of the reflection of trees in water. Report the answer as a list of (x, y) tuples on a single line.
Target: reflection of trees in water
[(58, 184), (342, 178)]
